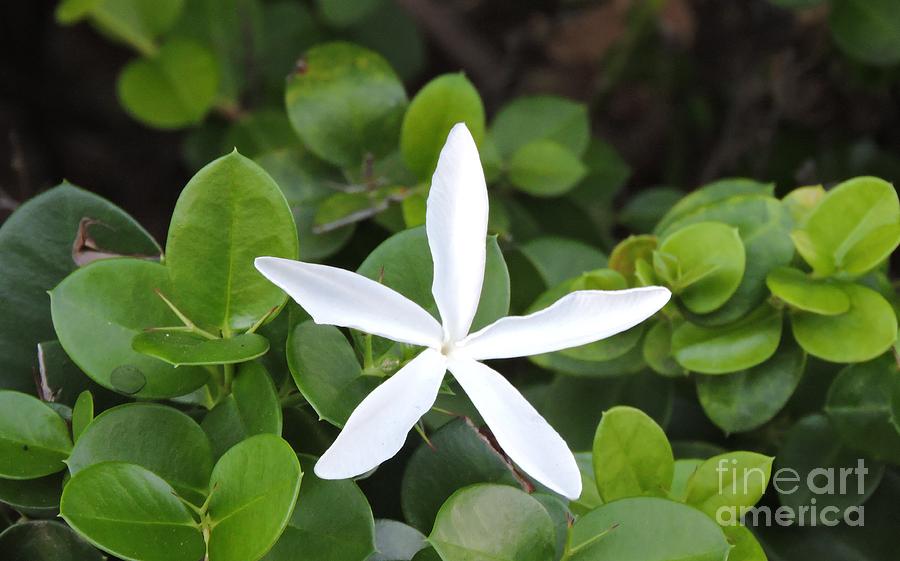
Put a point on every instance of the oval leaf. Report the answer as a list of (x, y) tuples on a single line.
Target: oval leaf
[(34, 439), (804, 293), (181, 348)]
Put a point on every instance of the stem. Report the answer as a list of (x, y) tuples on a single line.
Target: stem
[(228, 371), (368, 361), (190, 325)]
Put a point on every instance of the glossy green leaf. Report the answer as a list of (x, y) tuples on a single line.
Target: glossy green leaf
[(459, 456), (590, 497), (181, 348), (510, 526), (632, 456), (43, 540), (256, 484), (720, 350), (707, 265), (852, 229), (647, 529), (681, 474), (326, 371), (727, 482), (867, 330), (131, 513), (625, 255), (710, 195), (395, 541), (35, 498), (158, 438), (229, 213), (443, 102), (867, 30), (558, 259), (99, 309), (864, 404), (82, 414), (403, 262), (745, 400), (252, 408), (345, 102), (544, 168), (173, 88), (34, 439), (527, 119), (36, 253), (657, 350), (824, 468), (745, 546), (804, 293), (331, 520)]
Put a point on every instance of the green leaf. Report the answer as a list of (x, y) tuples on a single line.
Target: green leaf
[(443, 102), (158, 438), (459, 455), (745, 546), (228, 214), (180, 348), (43, 540), (345, 102), (97, 311), (644, 210), (657, 350), (802, 201), (544, 168), (34, 440), (724, 483), (326, 371), (395, 541), (255, 487), (403, 262), (804, 293), (343, 13), (864, 405), (527, 119), (590, 497), (173, 88), (867, 30), (684, 469), (646, 529), (745, 400), (131, 513), (710, 195), (252, 408), (628, 252), (82, 414), (34, 498), (261, 132), (812, 447), (720, 350), (36, 253), (134, 22), (510, 526), (867, 330), (558, 259), (632, 456), (854, 227), (710, 264), (326, 509)]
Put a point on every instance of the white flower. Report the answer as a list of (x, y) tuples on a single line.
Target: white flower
[(456, 223)]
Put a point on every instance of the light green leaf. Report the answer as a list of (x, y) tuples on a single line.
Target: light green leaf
[(256, 484), (180, 348), (710, 263), (684, 469), (34, 440), (252, 408), (345, 102), (719, 350), (646, 529), (590, 497), (544, 168), (131, 513), (710, 195), (443, 102), (510, 526), (632, 456), (867, 330), (173, 88), (134, 22), (527, 119), (228, 214), (745, 546), (804, 293), (724, 483), (97, 311), (158, 438), (745, 400)]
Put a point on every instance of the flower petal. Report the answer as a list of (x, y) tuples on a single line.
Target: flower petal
[(576, 319), (335, 296), (377, 428), (520, 430), (456, 221)]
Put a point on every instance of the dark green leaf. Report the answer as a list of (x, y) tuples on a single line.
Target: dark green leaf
[(867, 30), (35, 498), (43, 540), (541, 118), (34, 439)]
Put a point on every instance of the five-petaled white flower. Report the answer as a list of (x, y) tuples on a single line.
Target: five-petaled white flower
[(456, 224)]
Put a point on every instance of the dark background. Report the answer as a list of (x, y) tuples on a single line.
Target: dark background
[(707, 89)]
